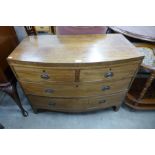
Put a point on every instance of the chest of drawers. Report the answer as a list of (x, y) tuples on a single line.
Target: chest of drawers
[(75, 73), (43, 29)]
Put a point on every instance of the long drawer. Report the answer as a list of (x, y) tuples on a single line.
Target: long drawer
[(75, 90), (49, 74), (77, 104)]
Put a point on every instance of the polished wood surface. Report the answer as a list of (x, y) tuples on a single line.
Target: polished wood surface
[(74, 50), (141, 95), (146, 33), (75, 72)]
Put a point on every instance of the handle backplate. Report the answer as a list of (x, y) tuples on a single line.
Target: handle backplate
[(44, 75), (49, 90), (105, 88), (109, 74), (102, 101)]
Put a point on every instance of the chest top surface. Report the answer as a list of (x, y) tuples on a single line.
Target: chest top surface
[(69, 49)]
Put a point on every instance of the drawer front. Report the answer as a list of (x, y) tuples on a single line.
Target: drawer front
[(42, 28), (78, 104), (49, 74), (73, 90), (108, 73), (44, 74)]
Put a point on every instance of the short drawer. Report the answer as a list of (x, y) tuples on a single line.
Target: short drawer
[(108, 73), (76, 105), (43, 74), (75, 90)]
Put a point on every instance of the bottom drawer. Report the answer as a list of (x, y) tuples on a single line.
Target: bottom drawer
[(76, 104)]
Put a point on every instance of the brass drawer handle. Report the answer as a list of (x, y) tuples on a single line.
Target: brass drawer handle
[(51, 104), (49, 90), (44, 76), (102, 101), (105, 88), (109, 74)]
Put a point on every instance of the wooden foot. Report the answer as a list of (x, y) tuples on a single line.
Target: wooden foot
[(35, 111), (11, 90), (116, 108)]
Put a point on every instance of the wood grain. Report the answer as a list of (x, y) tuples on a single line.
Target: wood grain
[(71, 90), (74, 50), (36, 75), (75, 72), (27, 73), (75, 105)]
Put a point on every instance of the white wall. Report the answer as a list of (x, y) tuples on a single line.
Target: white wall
[(21, 33)]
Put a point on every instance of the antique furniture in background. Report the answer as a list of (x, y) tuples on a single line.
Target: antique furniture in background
[(143, 33), (75, 73), (44, 29), (8, 42), (72, 30), (35, 30), (142, 92), (30, 30)]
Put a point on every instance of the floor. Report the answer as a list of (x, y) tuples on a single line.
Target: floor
[(11, 117)]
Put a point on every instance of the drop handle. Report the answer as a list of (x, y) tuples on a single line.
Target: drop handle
[(105, 88), (102, 101), (51, 104), (109, 74), (44, 76), (49, 90)]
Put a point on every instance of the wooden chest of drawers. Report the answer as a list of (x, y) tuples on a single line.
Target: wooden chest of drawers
[(43, 29), (75, 73)]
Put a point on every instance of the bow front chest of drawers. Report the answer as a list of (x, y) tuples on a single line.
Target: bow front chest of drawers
[(75, 73)]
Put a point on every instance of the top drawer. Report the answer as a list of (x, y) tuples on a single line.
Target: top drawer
[(44, 74), (108, 73), (49, 74)]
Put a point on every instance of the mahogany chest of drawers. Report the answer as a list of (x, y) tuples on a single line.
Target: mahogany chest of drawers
[(75, 73)]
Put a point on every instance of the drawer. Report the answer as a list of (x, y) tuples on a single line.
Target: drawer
[(42, 28), (108, 73), (76, 105), (44, 74), (73, 90)]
